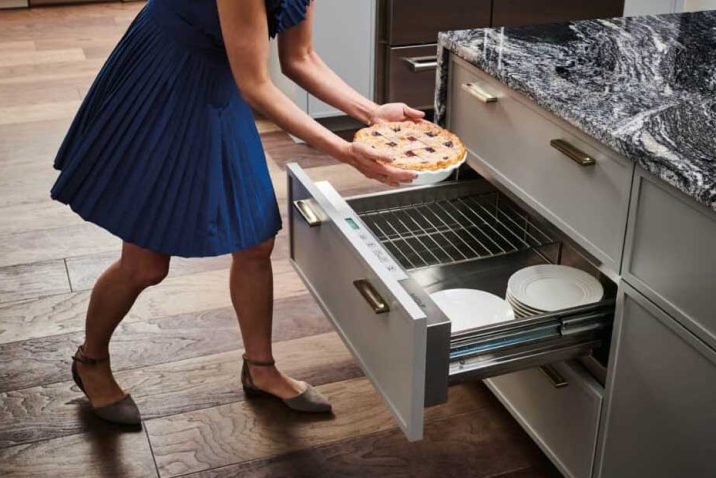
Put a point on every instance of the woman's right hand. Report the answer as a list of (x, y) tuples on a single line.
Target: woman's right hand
[(375, 165)]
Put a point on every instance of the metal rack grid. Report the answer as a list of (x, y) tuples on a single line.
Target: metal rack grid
[(451, 231)]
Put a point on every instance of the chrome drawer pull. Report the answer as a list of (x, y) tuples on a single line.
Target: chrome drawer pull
[(558, 381), (475, 90), (572, 152), (371, 296), (422, 63), (306, 210)]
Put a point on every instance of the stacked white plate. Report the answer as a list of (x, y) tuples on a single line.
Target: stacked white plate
[(471, 308), (547, 288)]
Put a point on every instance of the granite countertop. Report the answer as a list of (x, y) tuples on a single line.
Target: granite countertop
[(644, 86)]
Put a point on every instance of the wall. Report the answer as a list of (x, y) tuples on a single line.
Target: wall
[(647, 7), (691, 5)]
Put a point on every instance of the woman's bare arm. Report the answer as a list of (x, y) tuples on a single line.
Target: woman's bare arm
[(301, 63), (246, 37)]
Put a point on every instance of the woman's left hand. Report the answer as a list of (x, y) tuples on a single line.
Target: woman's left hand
[(396, 112)]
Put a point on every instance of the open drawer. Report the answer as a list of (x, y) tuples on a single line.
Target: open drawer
[(372, 262)]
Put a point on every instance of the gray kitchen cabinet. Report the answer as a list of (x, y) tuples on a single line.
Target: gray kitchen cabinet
[(660, 419), (559, 407), (670, 253), (512, 141)]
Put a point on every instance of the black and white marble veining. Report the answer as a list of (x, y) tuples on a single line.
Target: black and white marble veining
[(645, 86)]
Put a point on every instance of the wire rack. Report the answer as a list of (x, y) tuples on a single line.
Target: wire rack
[(451, 231)]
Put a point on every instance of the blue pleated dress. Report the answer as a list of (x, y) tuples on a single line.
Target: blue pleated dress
[(164, 153)]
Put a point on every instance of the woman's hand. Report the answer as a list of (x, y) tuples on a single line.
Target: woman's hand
[(375, 165), (396, 112)]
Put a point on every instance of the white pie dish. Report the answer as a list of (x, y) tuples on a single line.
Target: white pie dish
[(425, 178), (471, 308)]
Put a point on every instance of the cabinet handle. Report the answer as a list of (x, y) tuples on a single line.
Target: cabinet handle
[(476, 91), (422, 63), (371, 296), (556, 378), (306, 210), (572, 152)]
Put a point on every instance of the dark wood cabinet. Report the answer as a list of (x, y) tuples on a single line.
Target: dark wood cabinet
[(533, 12), (37, 3)]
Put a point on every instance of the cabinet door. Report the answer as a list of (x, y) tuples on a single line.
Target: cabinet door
[(661, 409), (343, 34), (533, 12)]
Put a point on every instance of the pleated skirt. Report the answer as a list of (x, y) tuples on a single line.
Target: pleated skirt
[(164, 153)]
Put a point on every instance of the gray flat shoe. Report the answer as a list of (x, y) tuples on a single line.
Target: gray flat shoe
[(309, 401), (122, 412)]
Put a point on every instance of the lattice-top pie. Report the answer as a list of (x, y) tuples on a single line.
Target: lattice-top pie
[(417, 146)]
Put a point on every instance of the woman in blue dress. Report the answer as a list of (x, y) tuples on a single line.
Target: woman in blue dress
[(164, 153)]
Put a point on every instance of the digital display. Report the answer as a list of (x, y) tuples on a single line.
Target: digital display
[(352, 223)]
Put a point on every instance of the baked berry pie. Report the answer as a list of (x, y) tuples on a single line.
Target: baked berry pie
[(419, 146)]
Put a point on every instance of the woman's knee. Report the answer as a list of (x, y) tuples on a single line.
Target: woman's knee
[(143, 268), (261, 252)]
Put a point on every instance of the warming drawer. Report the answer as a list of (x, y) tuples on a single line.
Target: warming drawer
[(372, 262)]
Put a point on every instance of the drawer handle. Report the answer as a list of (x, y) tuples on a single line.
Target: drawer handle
[(556, 378), (475, 90), (371, 296), (422, 63), (572, 152), (306, 210)]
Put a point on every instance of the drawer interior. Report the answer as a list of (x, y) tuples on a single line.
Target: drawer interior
[(469, 235)]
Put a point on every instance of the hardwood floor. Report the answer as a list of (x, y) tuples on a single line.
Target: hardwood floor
[(179, 349)]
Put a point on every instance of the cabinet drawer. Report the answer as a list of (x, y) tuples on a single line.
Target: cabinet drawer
[(373, 261), (659, 419), (411, 75), (512, 143), (560, 411), (533, 12), (670, 254), (411, 22)]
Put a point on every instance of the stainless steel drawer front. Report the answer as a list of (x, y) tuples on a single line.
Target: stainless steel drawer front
[(381, 324)]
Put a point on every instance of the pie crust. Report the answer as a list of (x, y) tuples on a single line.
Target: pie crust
[(419, 146)]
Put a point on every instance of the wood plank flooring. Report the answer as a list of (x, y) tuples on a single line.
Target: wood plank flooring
[(179, 349)]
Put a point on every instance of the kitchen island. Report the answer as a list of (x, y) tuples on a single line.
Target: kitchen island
[(606, 129)]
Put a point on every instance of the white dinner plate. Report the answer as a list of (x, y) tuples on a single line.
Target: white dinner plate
[(522, 311), (552, 287), (470, 308), (516, 303)]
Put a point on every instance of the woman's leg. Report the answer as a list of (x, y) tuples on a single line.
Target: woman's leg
[(113, 295), (252, 295)]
